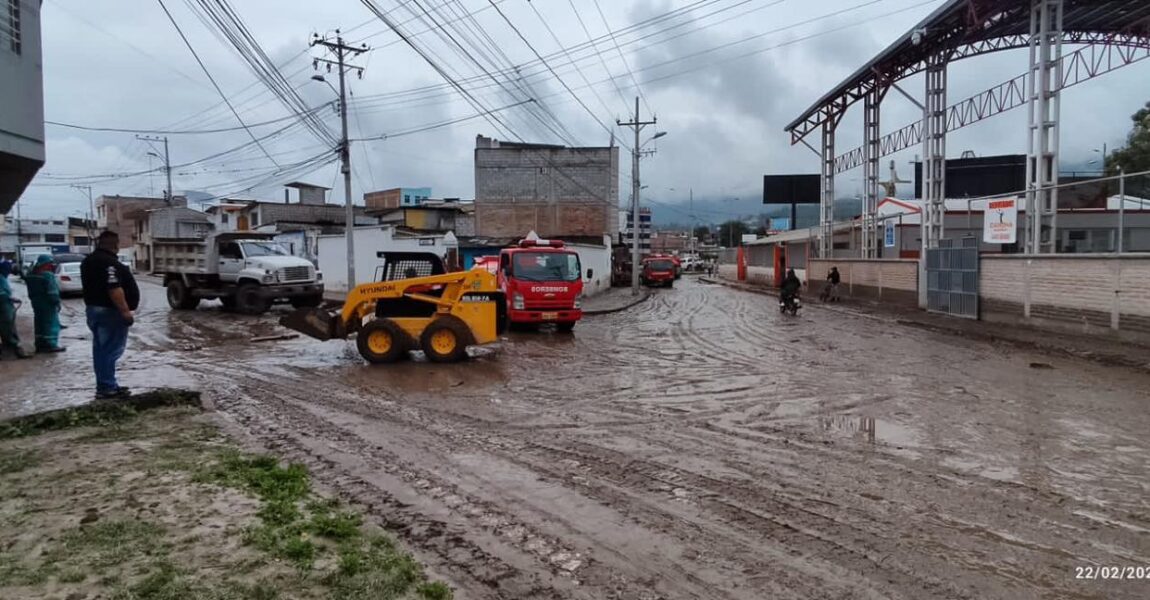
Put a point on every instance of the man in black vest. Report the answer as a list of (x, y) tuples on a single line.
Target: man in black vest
[(110, 297)]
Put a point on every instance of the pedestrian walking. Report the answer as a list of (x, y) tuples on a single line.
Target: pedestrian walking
[(831, 292), (9, 337), (110, 298), (44, 294)]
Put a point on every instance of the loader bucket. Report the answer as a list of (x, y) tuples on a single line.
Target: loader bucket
[(318, 323)]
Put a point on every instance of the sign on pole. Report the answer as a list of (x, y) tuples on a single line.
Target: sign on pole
[(888, 233), (1000, 221)]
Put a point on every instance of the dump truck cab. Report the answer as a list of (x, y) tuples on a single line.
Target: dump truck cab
[(543, 283)]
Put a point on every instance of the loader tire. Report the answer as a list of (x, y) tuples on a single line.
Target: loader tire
[(250, 300), (180, 297), (446, 340), (381, 341)]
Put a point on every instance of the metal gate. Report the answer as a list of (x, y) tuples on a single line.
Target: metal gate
[(952, 278)]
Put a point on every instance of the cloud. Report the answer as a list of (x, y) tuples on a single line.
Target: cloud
[(121, 64)]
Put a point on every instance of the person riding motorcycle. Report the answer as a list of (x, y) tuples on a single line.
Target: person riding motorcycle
[(791, 286)]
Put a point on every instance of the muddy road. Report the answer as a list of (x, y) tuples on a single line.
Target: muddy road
[(700, 445)]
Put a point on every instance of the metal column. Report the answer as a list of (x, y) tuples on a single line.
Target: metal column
[(871, 152), (934, 152), (827, 203), (1045, 107)]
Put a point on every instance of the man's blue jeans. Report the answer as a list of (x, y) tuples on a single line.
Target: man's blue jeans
[(109, 338)]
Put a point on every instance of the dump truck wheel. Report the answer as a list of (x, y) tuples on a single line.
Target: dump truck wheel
[(445, 340), (381, 341), (180, 297), (307, 301), (229, 302), (250, 300)]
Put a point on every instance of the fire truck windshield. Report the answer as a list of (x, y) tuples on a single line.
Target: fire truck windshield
[(546, 266), (660, 265)]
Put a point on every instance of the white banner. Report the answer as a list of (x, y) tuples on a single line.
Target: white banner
[(1000, 221)]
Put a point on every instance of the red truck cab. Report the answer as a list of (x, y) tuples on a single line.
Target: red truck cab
[(543, 283), (658, 270)]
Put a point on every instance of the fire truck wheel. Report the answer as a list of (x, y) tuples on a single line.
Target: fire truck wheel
[(565, 327)]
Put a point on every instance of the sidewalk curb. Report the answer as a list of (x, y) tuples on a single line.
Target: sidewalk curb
[(606, 311)]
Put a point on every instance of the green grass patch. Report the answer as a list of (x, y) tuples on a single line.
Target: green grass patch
[(296, 527), (107, 543), (96, 413)]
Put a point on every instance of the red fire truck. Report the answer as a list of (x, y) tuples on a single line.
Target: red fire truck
[(542, 280)]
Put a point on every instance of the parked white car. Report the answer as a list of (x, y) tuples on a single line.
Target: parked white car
[(68, 275)]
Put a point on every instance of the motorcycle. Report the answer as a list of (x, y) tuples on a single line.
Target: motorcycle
[(791, 304)]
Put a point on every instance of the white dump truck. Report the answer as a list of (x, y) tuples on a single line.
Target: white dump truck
[(247, 271)]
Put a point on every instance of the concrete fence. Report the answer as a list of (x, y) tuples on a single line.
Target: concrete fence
[(890, 281), (1075, 292)]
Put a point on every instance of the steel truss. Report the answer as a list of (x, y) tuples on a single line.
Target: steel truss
[(1045, 110), (1077, 67)]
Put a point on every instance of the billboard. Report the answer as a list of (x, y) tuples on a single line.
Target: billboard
[(980, 177), (1000, 221), (791, 189)]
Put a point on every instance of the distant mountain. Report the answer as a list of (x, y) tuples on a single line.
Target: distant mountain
[(666, 214)]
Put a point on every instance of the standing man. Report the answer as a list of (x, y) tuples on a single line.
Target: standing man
[(110, 297)]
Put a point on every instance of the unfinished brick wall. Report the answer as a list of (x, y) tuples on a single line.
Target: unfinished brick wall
[(548, 219), (1082, 292)]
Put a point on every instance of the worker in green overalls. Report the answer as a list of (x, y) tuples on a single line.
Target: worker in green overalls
[(44, 293), (9, 338)]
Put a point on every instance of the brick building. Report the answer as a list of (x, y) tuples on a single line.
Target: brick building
[(555, 191), (123, 214), (396, 198)]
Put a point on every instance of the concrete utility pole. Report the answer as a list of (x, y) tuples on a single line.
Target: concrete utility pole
[(638, 126), (168, 194), (91, 215), (342, 52)]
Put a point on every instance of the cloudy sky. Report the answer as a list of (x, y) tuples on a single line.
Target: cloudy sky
[(724, 77)]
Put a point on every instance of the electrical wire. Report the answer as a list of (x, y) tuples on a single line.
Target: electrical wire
[(179, 131), (212, 79)]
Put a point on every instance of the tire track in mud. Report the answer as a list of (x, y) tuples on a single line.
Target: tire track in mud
[(722, 467), (514, 535)]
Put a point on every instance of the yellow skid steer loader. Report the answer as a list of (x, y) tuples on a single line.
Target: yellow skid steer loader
[(414, 304)]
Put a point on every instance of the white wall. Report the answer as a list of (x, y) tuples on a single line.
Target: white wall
[(598, 259), (368, 240)]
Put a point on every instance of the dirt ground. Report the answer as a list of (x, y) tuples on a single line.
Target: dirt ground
[(698, 445), (164, 506)]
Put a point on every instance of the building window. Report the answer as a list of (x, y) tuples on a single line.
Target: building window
[(55, 238), (255, 218), (10, 27), (224, 218)]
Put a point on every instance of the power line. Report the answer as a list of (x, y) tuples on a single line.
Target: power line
[(553, 73), (439, 125), (213, 80), (177, 131), (627, 66)]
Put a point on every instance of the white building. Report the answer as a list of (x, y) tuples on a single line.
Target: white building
[(369, 241)]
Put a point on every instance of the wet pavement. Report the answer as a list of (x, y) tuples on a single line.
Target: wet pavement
[(697, 445)]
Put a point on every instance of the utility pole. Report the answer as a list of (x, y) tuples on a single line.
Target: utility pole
[(168, 194), (91, 215), (638, 126), (342, 52)]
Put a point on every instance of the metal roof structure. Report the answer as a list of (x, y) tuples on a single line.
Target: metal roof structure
[(965, 28)]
